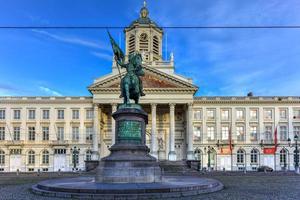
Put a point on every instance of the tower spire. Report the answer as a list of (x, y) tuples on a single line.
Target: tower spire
[(144, 11)]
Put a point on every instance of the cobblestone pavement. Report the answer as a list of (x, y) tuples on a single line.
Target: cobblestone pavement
[(255, 186)]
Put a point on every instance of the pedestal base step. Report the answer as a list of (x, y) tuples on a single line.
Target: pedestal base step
[(86, 187)]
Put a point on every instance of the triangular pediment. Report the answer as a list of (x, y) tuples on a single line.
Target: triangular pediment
[(153, 79)]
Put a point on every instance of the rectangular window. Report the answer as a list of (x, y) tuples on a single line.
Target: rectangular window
[(296, 113), (46, 114), (225, 114), (283, 133), (297, 130), (225, 132), (2, 133), (17, 132), (60, 133), (211, 114), (31, 114), (253, 114), (89, 133), (197, 133), (75, 133), (17, 114), (240, 132), (240, 114), (268, 114), (268, 134), (45, 130), (197, 114), (283, 113), (75, 114), (211, 133), (60, 151), (253, 133), (31, 133), (89, 114), (2, 114), (60, 114)]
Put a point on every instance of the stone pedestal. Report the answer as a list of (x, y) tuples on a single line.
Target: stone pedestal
[(129, 160)]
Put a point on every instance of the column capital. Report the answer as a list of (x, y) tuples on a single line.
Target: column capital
[(153, 105), (172, 105)]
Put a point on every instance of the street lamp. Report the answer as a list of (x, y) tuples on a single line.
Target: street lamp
[(209, 149), (75, 156), (296, 155)]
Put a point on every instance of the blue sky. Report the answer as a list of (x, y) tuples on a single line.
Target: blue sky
[(39, 62)]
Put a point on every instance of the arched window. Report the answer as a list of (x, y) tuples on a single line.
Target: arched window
[(283, 157), (131, 44), (144, 43), (198, 155), (31, 157), (45, 157), (88, 155), (155, 45), (2, 157), (240, 156), (254, 156)]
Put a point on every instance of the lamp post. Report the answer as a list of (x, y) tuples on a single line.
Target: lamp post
[(296, 155), (75, 156), (209, 148)]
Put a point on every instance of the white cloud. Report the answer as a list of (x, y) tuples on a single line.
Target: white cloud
[(49, 91), (73, 40), (104, 56)]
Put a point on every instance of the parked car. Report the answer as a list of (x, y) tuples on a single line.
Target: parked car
[(264, 169)]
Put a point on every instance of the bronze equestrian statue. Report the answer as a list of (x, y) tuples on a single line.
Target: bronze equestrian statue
[(131, 84)]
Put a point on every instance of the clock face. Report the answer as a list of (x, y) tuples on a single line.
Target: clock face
[(144, 37)]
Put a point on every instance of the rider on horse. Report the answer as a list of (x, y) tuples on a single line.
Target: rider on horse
[(134, 71)]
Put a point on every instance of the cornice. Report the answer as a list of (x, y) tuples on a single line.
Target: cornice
[(147, 90), (45, 100), (247, 100)]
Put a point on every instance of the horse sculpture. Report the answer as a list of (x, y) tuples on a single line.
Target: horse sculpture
[(131, 84)]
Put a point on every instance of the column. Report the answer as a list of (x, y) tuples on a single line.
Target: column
[(153, 131), (113, 124), (172, 153), (190, 150), (96, 133)]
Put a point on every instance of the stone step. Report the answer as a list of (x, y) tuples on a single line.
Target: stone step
[(175, 167)]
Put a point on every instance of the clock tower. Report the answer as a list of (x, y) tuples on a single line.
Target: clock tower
[(145, 36)]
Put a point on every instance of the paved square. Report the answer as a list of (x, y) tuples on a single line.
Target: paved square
[(258, 186)]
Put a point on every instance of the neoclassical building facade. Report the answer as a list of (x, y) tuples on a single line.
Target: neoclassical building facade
[(221, 133)]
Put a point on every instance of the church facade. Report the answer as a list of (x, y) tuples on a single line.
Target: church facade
[(221, 133)]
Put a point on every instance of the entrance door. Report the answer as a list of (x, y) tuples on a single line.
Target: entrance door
[(60, 162), (15, 163), (269, 161), (225, 163)]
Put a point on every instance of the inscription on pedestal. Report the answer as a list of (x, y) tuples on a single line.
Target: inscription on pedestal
[(129, 130)]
